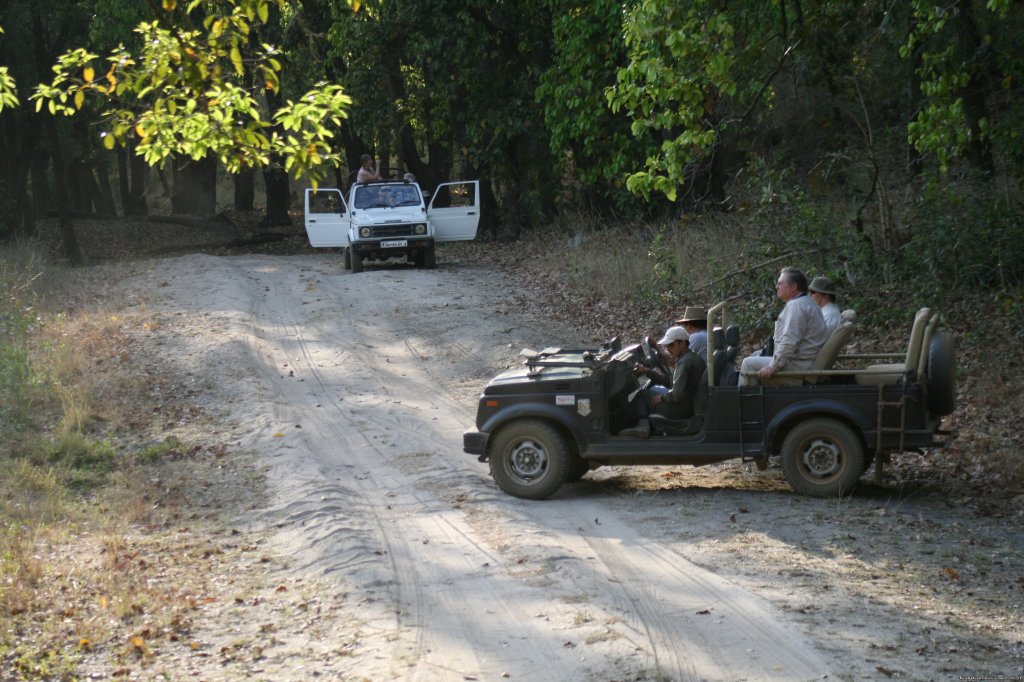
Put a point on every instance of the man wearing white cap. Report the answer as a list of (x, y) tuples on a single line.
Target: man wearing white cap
[(677, 403)]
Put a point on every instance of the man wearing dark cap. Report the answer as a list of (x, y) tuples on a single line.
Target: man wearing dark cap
[(824, 294)]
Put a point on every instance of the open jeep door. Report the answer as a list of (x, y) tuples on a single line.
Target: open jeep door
[(454, 211), (326, 217)]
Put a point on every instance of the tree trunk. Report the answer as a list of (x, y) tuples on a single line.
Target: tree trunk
[(40, 186), (139, 174), (106, 195), (131, 182), (90, 190), (488, 209), (17, 174), (979, 150), (354, 148), (123, 185), (73, 186), (195, 187), (245, 190), (278, 198), (69, 242)]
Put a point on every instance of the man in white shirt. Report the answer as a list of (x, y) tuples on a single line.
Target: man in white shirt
[(799, 332), (824, 294)]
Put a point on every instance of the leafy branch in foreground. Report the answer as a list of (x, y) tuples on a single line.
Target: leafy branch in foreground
[(7, 88), (196, 92), (680, 63)]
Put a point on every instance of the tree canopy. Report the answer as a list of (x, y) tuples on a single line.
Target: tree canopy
[(894, 112), (197, 86)]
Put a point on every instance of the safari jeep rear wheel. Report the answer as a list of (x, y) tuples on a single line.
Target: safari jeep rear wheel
[(529, 458), (822, 457)]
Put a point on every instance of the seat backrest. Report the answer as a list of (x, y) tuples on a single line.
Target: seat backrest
[(839, 337), (721, 362), (916, 338), (732, 342), (718, 359)]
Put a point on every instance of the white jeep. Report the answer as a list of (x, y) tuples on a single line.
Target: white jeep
[(388, 219)]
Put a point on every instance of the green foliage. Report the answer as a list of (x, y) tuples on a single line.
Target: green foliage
[(681, 61), (8, 88), (968, 63), (197, 92), (963, 242), (452, 84), (595, 149), (85, 460), (157, 452)]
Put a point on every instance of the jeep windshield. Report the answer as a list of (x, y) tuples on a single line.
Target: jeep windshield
[(387, 196)]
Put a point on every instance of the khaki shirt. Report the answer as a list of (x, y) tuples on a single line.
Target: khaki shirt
[(799, 334)]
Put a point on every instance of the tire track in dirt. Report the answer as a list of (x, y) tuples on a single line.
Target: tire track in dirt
[(447, 603)]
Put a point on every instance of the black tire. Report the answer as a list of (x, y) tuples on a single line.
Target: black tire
[(357, 262), (822, 457), (942, 374), (529, 458), (430, 258), (578, 468), (348, 259)]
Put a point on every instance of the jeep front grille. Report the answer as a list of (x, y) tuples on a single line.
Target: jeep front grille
[(382, 231)]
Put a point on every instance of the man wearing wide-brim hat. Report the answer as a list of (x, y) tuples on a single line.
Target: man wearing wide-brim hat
[(695, 322), (823, 291)]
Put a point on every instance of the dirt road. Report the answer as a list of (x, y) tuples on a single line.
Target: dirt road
[(354, 391)]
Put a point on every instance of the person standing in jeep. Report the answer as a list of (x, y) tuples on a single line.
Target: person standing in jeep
[(799, 332), (367, 171)]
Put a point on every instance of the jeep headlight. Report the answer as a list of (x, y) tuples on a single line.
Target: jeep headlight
[(365, 232), (421, 228)]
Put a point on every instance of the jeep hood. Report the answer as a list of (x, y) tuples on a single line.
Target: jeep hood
[(560, 368), (386, 216)]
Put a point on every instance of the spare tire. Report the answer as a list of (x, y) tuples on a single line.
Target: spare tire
[(942, 374)]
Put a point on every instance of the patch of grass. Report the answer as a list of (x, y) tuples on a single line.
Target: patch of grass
[(31, 663), (72, 486), (645, 265), (581, 618), (169, 448)]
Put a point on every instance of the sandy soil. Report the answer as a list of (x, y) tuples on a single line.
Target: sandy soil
[(350, 394)]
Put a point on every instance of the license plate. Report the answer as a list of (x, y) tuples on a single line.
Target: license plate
[(394, 244)]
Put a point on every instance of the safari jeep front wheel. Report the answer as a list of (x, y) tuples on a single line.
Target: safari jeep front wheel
[(529, 458)]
